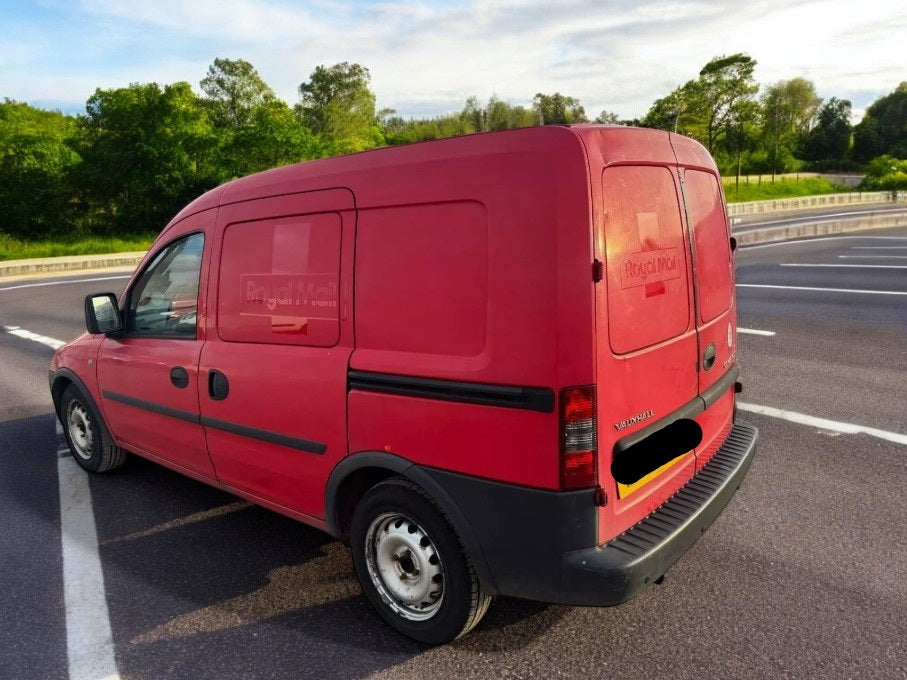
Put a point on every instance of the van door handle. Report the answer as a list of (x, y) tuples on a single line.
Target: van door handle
[(179, 376), (218, 385), (708, 359)]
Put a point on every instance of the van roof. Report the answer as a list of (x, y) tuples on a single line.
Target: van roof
[(335, 171)]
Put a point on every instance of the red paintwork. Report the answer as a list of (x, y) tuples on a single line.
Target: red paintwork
[(467, 259)]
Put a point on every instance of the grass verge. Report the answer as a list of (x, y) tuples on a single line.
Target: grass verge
[(14, 249), (780, 188)]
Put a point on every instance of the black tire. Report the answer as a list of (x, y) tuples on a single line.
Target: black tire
[(398, 518), (91, 445)]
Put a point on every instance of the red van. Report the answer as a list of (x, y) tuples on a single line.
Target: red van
[(495, 364)]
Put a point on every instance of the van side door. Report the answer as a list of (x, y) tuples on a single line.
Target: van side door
[(272, 386), (148, 374)]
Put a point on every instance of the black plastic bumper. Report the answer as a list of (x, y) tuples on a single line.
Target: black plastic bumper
[(535, 543), (616, 571)]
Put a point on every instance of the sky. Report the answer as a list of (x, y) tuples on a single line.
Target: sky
[(426, 58)]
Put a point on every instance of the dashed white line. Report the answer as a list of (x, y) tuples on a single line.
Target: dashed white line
[(824, 290), (878, 247), (89, 641), (755, 331), (62, 283), (872, 257), (775, 244), (822, 423), (53, 343), (851, 266)]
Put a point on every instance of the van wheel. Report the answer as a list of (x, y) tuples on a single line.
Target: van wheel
[(91, 447), (412, 566)]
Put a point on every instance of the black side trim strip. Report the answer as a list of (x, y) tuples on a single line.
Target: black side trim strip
[(691, 409), (539, 399), (242, 430), (188, 416), (266, 436)]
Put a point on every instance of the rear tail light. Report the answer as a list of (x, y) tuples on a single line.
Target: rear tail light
[(579, 456)]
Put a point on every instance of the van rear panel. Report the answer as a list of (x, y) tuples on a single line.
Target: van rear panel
[(660, 229)]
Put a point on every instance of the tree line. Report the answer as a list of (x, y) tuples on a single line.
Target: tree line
[(139, 153)]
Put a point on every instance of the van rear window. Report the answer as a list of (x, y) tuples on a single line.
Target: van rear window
[(279, 281), (710, 236), (648, 280)]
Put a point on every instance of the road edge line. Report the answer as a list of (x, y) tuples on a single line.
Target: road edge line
[(89, 640), (822, 423)]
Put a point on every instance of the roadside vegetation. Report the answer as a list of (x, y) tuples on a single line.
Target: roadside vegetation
[(14, 249), (109, 177), (743, 189)]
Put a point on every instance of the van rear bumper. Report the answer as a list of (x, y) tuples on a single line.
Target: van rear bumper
[(618, 570), (535, 543)]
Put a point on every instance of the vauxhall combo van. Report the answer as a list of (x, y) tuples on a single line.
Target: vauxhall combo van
[(499, 364)]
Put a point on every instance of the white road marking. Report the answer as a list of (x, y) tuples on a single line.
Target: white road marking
[(852, 266), (878, 247), (53, 343), (63, 283), (755, 331), (775, 244), (872, 257), (824, 290), (822, 423), (89, 641)]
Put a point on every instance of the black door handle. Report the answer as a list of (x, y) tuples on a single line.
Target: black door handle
[(708, 359), (179, 376), (218, 385)]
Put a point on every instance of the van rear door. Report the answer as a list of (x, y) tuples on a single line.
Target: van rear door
[(715, 311), (647, 344)]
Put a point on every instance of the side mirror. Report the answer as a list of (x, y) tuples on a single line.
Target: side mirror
[(733, 244), (102, 315)]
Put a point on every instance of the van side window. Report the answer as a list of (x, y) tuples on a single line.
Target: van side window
[(279, 281), (164, 300)]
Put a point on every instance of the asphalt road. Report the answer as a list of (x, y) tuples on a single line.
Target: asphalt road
[(803, 575)]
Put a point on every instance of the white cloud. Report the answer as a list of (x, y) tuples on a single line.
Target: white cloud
[(427, 57)]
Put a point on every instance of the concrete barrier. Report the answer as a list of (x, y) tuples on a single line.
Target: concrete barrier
[(810, 202), (70, 263), (822, 228)]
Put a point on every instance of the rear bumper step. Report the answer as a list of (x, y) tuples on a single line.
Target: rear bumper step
[(616, 571)]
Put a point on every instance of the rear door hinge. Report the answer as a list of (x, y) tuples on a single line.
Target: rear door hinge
[(598, 271)]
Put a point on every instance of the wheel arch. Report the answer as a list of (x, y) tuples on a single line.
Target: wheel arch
[(356, 474), (62, 379)]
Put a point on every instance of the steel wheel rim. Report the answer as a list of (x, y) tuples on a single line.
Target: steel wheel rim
[(81, 432), (404, 566)]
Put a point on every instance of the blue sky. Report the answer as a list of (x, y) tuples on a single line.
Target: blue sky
[(426, 58)]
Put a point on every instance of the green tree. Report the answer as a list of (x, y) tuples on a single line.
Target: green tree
[(337, 103), (607, 118), (712, 108), (234, 90), (724, 90), (829, 140), (885, 173), (883, 129), (271, 136), (36, 162), (557, 109), (789, 109), (146, 152)]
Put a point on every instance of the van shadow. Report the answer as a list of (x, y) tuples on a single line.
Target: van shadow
[(202, 582)]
